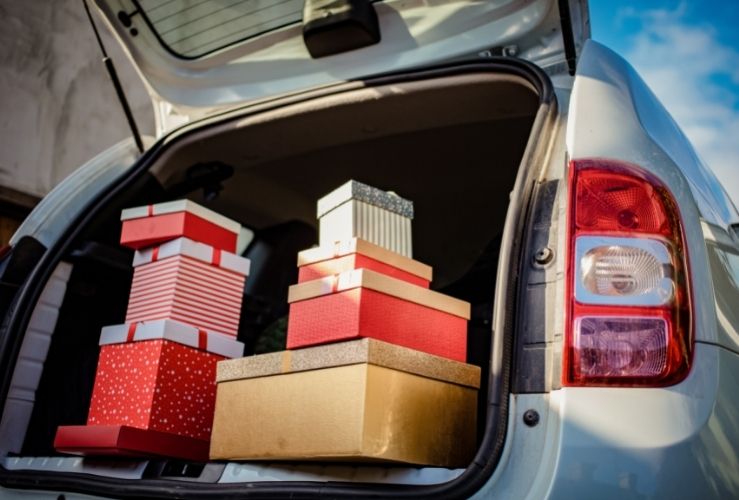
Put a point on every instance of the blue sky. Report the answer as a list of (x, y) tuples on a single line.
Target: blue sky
[(688, 53)]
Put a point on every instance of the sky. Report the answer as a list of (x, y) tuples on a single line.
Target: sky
[(688, 53)]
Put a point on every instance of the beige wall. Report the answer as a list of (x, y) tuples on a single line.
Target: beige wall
[(57, 105)]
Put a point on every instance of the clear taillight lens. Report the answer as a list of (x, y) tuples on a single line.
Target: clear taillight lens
[(629, 321), (623, 271)]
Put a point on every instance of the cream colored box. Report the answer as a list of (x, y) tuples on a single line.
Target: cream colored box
[(362, 400), (356, 210)]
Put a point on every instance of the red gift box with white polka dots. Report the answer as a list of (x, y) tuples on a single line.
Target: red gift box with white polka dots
[(157, 385)]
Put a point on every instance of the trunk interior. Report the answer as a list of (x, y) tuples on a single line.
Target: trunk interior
[(451, 144)]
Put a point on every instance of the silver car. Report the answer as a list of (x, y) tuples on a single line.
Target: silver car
[(553, 192)]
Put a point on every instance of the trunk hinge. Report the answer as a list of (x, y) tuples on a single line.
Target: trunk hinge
[(116, 83), (568, 36)]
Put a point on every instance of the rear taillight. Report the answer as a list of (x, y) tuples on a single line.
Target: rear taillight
[(628, 301)]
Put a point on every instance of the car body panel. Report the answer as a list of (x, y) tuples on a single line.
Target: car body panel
[(677, 442), (634, 443), (723, 258), (616, 115), (414, 33), (613, 114), (56, 211)]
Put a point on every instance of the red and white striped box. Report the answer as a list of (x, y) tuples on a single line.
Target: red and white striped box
[(189, 282), (151, 224), (154, 392), (357, 253), (364, 303)]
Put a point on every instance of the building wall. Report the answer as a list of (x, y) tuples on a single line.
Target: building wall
[(57, 105), (58, 108)]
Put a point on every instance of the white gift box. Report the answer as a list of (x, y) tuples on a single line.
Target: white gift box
[(174, 331), (356, 210)]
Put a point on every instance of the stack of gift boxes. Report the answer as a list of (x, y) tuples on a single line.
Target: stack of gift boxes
[(375, 367), (154, 391)]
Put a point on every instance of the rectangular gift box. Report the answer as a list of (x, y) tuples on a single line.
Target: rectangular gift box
[(148, 225), (363, 303), (356, 253), (362, 400), (151, 397), (189, 282), (165, 390), (361, 211), (158, 376), (127, 441)]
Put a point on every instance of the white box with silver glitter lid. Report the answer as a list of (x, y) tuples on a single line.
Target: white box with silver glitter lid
[(356, 210)]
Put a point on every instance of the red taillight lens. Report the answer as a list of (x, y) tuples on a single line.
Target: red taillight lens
[(617, 202), (628, 299)]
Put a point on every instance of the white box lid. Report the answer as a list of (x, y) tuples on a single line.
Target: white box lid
[(175, 331), (196, 250), (170, 207)]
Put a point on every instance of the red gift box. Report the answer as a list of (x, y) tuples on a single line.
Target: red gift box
[(363, 303), (152, 224), (154, 385), (152, 395), (356, 253), (188, 282), (123, 440)]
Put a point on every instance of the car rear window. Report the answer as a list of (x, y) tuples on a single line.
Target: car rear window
[(194, 28)]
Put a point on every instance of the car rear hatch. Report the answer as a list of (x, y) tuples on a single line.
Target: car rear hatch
[(255, 74), (201, 57)]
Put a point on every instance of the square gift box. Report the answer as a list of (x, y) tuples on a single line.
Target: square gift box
[(152, 224), (356, 210), (189, 282), (154, 392), (356, 253), (363, 303), (362, 400)]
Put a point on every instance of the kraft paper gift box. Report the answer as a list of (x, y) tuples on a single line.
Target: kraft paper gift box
[(363, 303), (362, 211), (362, 400), (154, 392), (356, 253), (148, 225), (189, 282)]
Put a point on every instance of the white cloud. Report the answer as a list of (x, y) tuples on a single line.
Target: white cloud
[(683, 63)]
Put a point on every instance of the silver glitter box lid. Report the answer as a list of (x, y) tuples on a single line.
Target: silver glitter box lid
[(354, 190)]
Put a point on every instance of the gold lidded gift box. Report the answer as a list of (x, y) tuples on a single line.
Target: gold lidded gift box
[(362, 400)]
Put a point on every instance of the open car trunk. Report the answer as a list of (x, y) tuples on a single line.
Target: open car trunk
[(460, 142)]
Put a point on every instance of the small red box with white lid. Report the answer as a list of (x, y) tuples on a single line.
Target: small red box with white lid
[(189, 282), (357, 253), (364, 303), (152, 378), (152, 224)]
